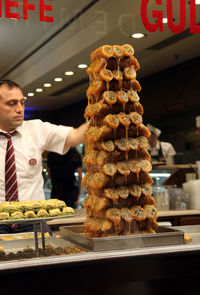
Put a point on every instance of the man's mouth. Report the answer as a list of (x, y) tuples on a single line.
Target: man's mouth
[(18, 118)]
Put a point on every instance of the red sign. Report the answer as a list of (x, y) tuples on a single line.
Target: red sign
[(158, 15), (26, 7)]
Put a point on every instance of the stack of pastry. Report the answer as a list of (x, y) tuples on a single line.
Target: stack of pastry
[(119, 187)]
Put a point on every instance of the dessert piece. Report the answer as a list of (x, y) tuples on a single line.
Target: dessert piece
[(42, 213), (35, 206), (54, 212), (150, 211), (8, 206), (30, 214), (135, 190), (4, 215), (17, 215), (138, 213), (68, 211), (23, 206)]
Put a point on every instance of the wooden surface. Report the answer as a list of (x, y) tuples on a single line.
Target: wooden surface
[(81, 214), (178, 213), (175, 166)]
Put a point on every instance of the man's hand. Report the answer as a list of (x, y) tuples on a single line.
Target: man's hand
[(78, 200)]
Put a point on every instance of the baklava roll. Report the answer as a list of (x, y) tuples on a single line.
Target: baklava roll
[(30, 214), (17, 215), (4, 215)]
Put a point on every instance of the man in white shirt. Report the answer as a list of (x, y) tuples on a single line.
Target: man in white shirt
[(29, 139), (198, 126), (159, 150)]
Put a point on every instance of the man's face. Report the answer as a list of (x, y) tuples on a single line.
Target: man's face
[(153, 140), (11, 108)]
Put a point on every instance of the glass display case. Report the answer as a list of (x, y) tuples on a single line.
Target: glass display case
[(167, 186)]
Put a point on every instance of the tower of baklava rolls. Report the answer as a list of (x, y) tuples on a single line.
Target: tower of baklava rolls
[(119, 187)]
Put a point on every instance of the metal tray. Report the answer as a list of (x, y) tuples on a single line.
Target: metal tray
[(33, 220), (164, 236)]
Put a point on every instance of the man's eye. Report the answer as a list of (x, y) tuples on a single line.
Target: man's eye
[(12, 104)]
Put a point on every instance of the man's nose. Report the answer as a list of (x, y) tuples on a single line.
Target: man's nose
[(19, 108)]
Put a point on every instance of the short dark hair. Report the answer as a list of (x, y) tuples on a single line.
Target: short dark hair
[(9, 83)]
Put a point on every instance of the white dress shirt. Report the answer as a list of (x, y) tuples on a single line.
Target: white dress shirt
[(31, 140)]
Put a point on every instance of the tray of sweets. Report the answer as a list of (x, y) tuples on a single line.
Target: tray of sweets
[(20, 244), (163, 237), (23, 249)]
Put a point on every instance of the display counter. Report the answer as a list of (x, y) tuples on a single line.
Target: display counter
[(130, 271), (176, 217)]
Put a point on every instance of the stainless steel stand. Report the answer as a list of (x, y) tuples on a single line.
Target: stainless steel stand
[(36, 222), (42, 233), (35, 229)]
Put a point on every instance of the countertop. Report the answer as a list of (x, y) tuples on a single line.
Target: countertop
[(174, 166), (81, 214), (178, 213)]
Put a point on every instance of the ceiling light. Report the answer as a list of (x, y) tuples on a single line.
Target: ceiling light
[(39, 90), (82, 66), (58, 79), (138, 35), (30, 94), (47, 85), (69, 73), (165, 20)]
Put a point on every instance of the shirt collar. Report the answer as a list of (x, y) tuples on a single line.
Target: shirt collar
[(18, 130)]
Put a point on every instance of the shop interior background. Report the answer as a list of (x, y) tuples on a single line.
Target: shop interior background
[(34, 53)]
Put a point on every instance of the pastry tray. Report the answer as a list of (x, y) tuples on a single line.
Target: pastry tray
[(163, 237), (20, 244), (33, 220)]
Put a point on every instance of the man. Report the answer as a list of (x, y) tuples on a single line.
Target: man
[(198, 126), (29, 140), (159, 150)]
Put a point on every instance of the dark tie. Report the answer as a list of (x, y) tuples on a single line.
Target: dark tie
[(11, 190)]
